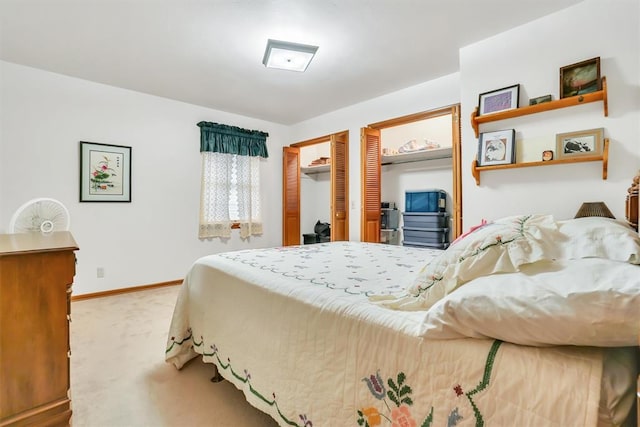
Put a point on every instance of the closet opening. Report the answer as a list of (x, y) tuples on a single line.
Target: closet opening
[(315, 190), (406, 154)]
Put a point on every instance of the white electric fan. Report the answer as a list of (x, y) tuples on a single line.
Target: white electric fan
[(41, 214)]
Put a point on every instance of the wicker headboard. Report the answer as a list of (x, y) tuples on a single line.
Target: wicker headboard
[(631, 210)]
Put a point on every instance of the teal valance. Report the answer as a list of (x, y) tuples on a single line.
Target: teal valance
[(232, 140)]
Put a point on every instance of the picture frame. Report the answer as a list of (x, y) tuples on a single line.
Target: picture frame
[(497, 148), (581, 143), (580, 78), (540, 99), (506, 98), (105, 172)]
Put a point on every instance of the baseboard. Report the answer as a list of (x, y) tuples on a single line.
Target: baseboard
[(124, 290)]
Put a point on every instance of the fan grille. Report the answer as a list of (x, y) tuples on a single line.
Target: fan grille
[(40, 215)]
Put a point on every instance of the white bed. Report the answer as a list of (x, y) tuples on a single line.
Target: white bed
[(307, 334)]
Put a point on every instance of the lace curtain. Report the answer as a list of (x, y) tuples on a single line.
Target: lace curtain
[(230, 191)]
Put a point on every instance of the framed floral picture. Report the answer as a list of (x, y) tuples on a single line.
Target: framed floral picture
[(497, 148), (105, 172)]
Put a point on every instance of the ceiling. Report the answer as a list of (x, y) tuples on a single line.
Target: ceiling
[(209, 52)]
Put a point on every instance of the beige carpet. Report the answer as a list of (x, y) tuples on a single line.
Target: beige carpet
[(119, 377)]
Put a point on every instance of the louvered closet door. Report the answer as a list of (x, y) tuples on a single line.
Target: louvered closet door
[(339, 187), (290, 196), (370, 181)]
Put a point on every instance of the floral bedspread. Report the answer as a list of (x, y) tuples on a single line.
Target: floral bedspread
[(293, 328)]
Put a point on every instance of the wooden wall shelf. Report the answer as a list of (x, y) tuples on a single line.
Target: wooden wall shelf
[(604, 158), (600, 95)]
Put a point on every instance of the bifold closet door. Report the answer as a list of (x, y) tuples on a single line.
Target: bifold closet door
[(370, 185), (290, 196), (339, 187)]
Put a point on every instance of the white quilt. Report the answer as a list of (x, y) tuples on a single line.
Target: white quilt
[(294, 329)]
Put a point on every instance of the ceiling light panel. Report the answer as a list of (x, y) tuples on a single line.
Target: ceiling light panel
[(288, 56)]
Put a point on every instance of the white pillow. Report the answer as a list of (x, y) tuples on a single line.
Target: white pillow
[(601, 238), (590, 301), (501, 246)]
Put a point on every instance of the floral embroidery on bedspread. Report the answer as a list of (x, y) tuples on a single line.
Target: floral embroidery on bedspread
[(398, 392)]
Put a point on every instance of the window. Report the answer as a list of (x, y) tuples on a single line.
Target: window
[(230, 189)]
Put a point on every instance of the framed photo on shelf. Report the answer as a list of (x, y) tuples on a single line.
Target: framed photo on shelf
[(499, 100), (105, 172), (582, 143), (540, 100), (580, 78), (497, 148)]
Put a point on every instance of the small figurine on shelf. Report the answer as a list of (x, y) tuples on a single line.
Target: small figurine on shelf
[(547, 155)]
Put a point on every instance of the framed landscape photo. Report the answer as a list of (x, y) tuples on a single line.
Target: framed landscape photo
[(497, 148), (580, 78), (499, 100), (105, 172), (582, 143), (540, 100)]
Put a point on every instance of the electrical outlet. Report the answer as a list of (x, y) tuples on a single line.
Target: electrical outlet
[(100, 272)]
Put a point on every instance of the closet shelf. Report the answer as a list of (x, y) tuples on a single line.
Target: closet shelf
[(604, 158), (600, 95), (417, 156), (309, 170)]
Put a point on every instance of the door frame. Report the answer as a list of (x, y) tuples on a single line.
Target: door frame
[(456, 157), (290, 196), (344, 216)]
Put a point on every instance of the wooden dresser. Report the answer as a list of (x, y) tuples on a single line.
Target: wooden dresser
[(36, 273)]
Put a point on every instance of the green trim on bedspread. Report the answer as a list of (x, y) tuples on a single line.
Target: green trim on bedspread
[(245, 377), (398, 391)]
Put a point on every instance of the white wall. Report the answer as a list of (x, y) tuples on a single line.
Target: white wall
[(3, 224), (315, 201), (436, 129), (154, 238), (532, 56), (313, 152), (315, 189), (423, 97)]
